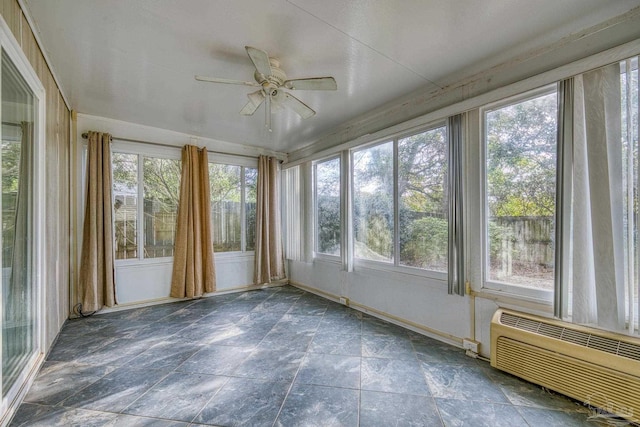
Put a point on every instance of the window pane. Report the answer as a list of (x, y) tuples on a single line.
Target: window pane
[(250, 180), (328, 207), (373, 202), (422, 209), (226, 207), (125, 193), (521, 189), (161, 178)]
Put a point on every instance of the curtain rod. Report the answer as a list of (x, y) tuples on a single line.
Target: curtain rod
[(85, 135)]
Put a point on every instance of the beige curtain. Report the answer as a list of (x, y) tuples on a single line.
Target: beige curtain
[(97, 288), (269, 259), (193, 268)]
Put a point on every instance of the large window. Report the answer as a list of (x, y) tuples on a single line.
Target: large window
[(400, 201), (520, 146), (233, 207), (327, 192), (145, 220)]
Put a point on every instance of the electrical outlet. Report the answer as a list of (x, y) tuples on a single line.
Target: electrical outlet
[(344, 301), (471, 345)]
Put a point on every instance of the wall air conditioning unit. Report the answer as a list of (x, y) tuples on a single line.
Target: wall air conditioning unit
[(599, 368)]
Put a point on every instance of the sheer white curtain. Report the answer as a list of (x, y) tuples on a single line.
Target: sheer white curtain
[(598, 226)]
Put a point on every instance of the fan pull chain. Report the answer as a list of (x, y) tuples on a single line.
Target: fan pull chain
[(267, 112)]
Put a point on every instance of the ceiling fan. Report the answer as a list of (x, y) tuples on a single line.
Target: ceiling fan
[(271, 80)]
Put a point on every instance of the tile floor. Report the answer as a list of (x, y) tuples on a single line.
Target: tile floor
[(273, 357)]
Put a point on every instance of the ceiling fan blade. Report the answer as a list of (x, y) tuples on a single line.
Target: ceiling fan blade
[(260, 60), (226, 81), (313, 83), (295, 104), (255, 100)]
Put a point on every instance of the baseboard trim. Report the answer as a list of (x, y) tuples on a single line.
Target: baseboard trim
[(158, 301), (408, 324)]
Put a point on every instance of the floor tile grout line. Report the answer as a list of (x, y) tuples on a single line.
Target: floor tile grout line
[(275, 420), (193, 420)]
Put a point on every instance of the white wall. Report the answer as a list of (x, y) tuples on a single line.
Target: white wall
[(145, 281), (417, 302)]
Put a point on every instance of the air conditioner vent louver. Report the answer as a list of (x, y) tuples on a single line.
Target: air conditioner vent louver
[(603, 344), (629, 351), (552, 331), (575, 337), (509, 319), (608, 345)]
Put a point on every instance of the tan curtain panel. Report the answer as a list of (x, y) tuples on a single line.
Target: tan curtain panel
[(193, 268), (97, 286), (269, 258)]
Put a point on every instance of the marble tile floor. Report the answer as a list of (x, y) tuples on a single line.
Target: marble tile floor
[(273, 357)]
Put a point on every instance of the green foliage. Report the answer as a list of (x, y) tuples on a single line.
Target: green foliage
[(225, 183), (425, 243), (379, 237), (328, 211), (10, 166), (521, 158), (161, 181)]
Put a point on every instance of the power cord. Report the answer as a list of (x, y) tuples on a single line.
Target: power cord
[(77, 309)]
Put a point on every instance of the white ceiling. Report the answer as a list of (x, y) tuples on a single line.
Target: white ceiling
[(135, 60)]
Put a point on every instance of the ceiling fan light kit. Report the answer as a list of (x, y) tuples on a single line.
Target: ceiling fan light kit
[(271, 79)]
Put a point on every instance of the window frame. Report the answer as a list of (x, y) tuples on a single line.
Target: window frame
[(142, 152), (487, 284), (395, 265), (317, 254), (243, 163)]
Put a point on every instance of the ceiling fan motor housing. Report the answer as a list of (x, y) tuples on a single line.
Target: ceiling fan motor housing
[(275, 80)]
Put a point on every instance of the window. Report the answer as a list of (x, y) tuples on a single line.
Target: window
[(373, 213), (125, 198), (327, 191), (233, 207), (156, 205), (22, 202), (422, 200), (520, 148), (400, 201)]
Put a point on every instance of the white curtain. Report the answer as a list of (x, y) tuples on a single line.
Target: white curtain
[(598, 206)]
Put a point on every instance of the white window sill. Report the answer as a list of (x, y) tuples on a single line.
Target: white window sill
[(218, 256), (329, 259), (525, 293), (514, 295), (408, 272)]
